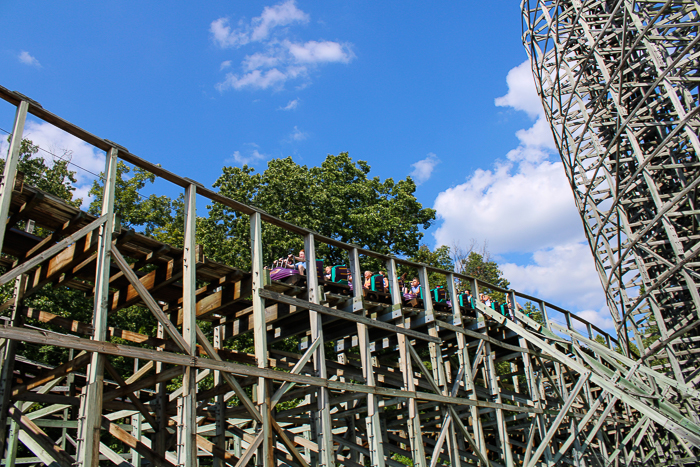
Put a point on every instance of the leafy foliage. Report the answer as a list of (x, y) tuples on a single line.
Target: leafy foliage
[(54, 178), (485, 269), (57, 180), (338, 200), (152, 214), (439, 258)]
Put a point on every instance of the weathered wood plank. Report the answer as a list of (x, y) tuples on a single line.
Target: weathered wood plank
[(48, 448), (235, 368), (126, 438), (303, 304), (58, 248), (62, 370)]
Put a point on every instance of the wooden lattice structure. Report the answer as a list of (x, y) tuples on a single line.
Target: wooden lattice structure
[(378, 379), (619, 83)]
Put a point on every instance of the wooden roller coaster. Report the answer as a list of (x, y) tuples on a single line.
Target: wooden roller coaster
[(377, 380)]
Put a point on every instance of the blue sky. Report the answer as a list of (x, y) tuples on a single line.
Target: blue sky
[(439, 93)]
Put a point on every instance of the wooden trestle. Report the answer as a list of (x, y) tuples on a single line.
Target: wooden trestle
[(377, 380)]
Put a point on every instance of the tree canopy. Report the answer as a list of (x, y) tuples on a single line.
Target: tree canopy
[(53, 178), (337, 199), (152, 215), (477, 262)]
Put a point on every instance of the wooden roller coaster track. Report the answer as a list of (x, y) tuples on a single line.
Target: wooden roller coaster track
[(619, 85), (378, 380)]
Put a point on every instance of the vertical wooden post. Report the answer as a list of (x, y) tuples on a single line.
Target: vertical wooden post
[(534, 393), (187, 448), (136, 426), (260, 337), (545, 316), (374, 433), (91, 402), (220, 403), (7, 184), (496, 396), (511, 312), (323, 420), (465, 364), (415, 433), (435, 353), (8, 355), (475, 297), (161, 431)]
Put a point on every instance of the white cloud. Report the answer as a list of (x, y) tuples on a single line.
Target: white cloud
[(83, 157), (4, 146), (565, 274), (259, 27), (261, 60), (249, 155), (522, 94), (538, 135), (279, 15), (524, 205), (255, 79), (423, 169), (27, 59), (224, 37), (82, 192), (320, 52), (517, 207), (59, 142), (298, 135), (278, 59), (291, 105), (600, 318)]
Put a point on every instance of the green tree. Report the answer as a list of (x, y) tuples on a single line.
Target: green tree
[(152, 215), (439, 258), (55, 178), (338, 200), (533, 312), (480, 266)]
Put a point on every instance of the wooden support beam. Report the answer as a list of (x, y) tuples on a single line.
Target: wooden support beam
[(230, 380), (133, 443), (149, 301), (235, 368), (86, 329), (39, 442), (302, 304), (297, 368), (91, 402), (266, 434), (373, 420), (24, 210), (164, 277), (7, 360), (132, 397), (187, 428), (544, 443), (322, 415), (216, 451), (50, 252), (148, 259), (226, 296), (290, 445), (60, 371), (413, 423), (7, 183)]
